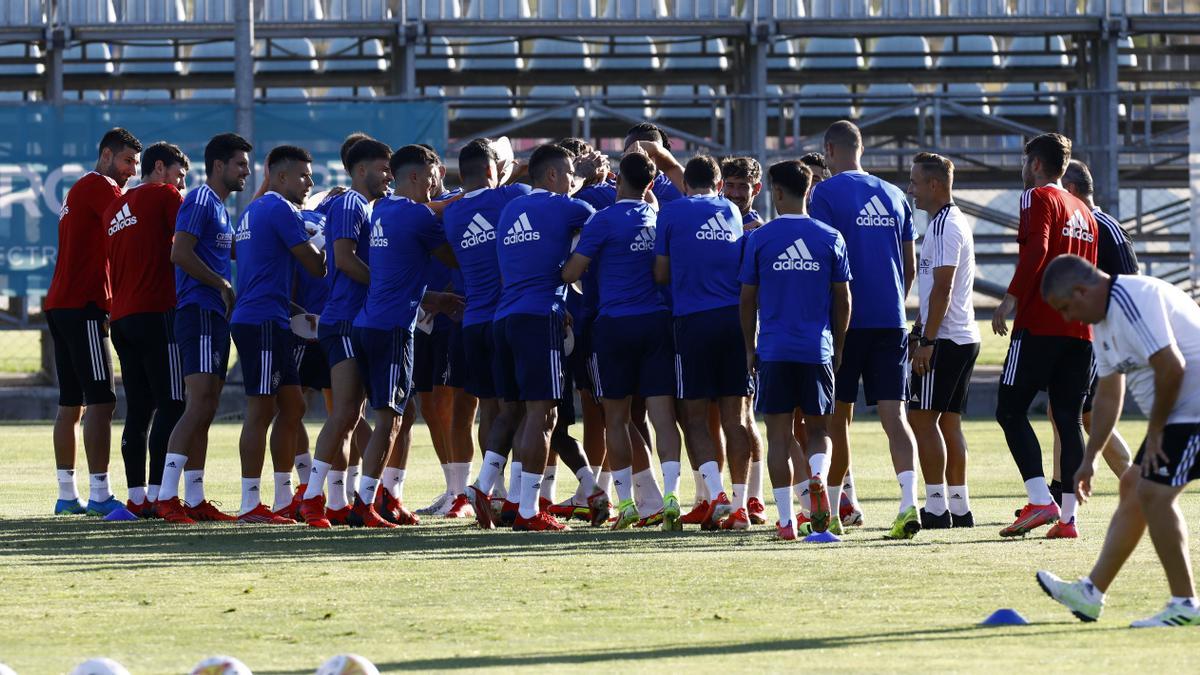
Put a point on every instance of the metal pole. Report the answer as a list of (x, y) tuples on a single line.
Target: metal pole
[(1194, 181), (243, 80), (1106, 155)]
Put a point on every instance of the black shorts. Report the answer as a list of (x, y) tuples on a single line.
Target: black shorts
[(633, 356), (944, 387), (710, 359), (1181, 443), (149, 355), (1089, 400), (439, 359), (82, 356), (314, 367), (878, 357), (1039, 361), (479, 349)]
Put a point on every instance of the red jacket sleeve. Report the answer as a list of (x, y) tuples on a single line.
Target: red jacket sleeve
[(1033, 237)]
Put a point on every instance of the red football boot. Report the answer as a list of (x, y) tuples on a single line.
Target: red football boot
[(365, 515), (482, 506), (406, 517), (756, 510), (207, 512), (697, 515), (1061, 530), (312, 511), (542, 522), (818, 504), (338, 516), (461, 508), (1032, 517), (172, 511), (262, 515), (738, 520)]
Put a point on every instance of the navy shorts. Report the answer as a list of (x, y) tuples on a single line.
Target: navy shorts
[(456, 373), (335, 341), (268, 356), (479, 349), (711, 355), (385, 361), (529, 361), (313, 368), (784, 386), (944, 388), (203, 337), (579, 361), (83, 355), (878, 357), (633, 355)]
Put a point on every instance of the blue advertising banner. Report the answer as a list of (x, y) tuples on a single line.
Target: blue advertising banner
[(44, 150)]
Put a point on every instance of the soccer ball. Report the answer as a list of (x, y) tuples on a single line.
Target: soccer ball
[(5, 670), (100, 666), (347, 664), (221, 665)]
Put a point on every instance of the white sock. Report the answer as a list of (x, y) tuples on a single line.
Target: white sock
[(739, 496), (587, 482), (337, 489), (701, 489), (646, 493), (172, 470), (908, 489), (251, 498), (801, 491), (462, 474), (1069, 506), (1038, 491), (514, 482), (960, 502), (366, 489), (352, 474), (604, 481), (755, 484), (283, 489), (835, 499), (1180, 600), (783, 502), (549, 481), (818, 464), (193, 486), (670, 471), (152, 493), (398, 488), (137, 495), (712, 479), (390, 479), (491, 469), (303, 463), (848, 489), (448, 474), (531, 488), (935, 499), (66, 484), (315, 481), (623, 483), (98, 487), (1089, 589)]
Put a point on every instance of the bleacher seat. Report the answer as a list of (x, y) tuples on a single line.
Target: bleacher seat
[(832, 53), (629, 52), (212, 11), (211, 57), (1037, 51), (298, 55), (436, 54), (635, 9), (703, 9), (782, 55), (32, 13), (634, 100), (688, 102), (427, 9), (1042, 108), (775, 9), (894, 93), (152, 11), (900, 52), (707, 54), (1047, 8), (293, 11), (498, 9), (93, 58), (86, 12), (970, 95), (840, 107), (487, 110), (155, 58), (978, 52), (565, 92), (565, 53), (354, 54), (29, 63), (357, 10), (840, 9)]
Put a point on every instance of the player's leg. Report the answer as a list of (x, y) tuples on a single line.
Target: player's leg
[(1168, 532), (703, 445), (363, 513), (959, 499), (617, 433), (813, 390), (89, 363), (164, 365), (462, 450), (389, 500), (1116, 452), (289, 419), (737, 422), (846, 395), (931, 390), (332, 441), (139, 407), (780, 444), (532, 445), (385, 361), (1066, 391), (436, 408), (66, 421)]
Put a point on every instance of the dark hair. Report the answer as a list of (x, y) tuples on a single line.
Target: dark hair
[(475, 157), (792, 176), (843, 134), (117, 139), (222, 147), (411, 155), (1079, 175), (815, 160), (366, 150), (575, 145), (701, 171), (287, 153), (350, 142), (1054, 151), (648, 131), (638, 171), (935, 165), (741, 167), (164, 152), (545, 155)]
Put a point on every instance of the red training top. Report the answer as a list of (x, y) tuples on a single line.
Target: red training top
[(1052, 223), (140, 228), (81, 270)]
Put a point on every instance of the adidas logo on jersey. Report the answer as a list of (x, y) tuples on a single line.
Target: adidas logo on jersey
[(377, 238), (716, 229), (521, 232), (1077, 228), (874, 214), (122, 220), (644, 240), (479, 231), (243, 229), (796, 257)]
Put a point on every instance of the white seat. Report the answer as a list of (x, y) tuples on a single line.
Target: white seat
[(551, 54), (357, 10), (487, 110), (629, 52), (86, 12), (436, 55), (840, 9), (1126, 59), (212, 11), (150, 58), (85, 95), (152, 11), (498, 9), (94, 58), (565, 92), (832, 54), (354, 54), (969, 95), (782, 55), (293, 10), (775, 9), (635, 9), (220, 55), (490, 54), (703, 9), (840, 107), (688, 102), (901, 9), (300, 55), (29, 55), (969, 51), (978, 7), (696, 55), (635, 102), (145, 94), (900, 52), (1024, 108), (895, 93), (1040, 51)]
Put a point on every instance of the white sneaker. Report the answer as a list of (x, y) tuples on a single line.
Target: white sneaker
[(1075, 596), (443, 501), (1173, 615)]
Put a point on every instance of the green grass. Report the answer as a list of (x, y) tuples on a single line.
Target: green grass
[(445, 596)]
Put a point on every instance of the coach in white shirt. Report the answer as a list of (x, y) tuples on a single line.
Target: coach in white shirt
[(943, 345), (1146, 331)]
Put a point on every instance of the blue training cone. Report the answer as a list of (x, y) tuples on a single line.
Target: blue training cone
[(826, 537), (120, 514), (1005, 617)]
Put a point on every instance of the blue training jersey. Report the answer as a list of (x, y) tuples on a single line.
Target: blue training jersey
[(404, 234), (349, 218), (470, 225), (203, 215), (265, 234), (311, 293), (793, 260), (875, 219), (620, 243), (535, 233), (750, 217), (702, 235)]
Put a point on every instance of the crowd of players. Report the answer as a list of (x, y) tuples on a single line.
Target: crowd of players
[(652, 287)]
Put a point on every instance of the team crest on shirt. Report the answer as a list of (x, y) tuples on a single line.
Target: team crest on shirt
[(874, 214), (479, 231), (521, 232), (644, 240), (223, 240), (716, 229), (926, 266), (275, 378), (796, 258)]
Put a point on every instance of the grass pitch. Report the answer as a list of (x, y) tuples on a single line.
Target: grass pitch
[(445, 596)]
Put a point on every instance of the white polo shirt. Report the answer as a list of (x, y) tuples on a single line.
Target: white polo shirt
[(948, 242)]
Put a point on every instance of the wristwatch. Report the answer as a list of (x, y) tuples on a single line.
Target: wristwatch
[(924, 342)]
